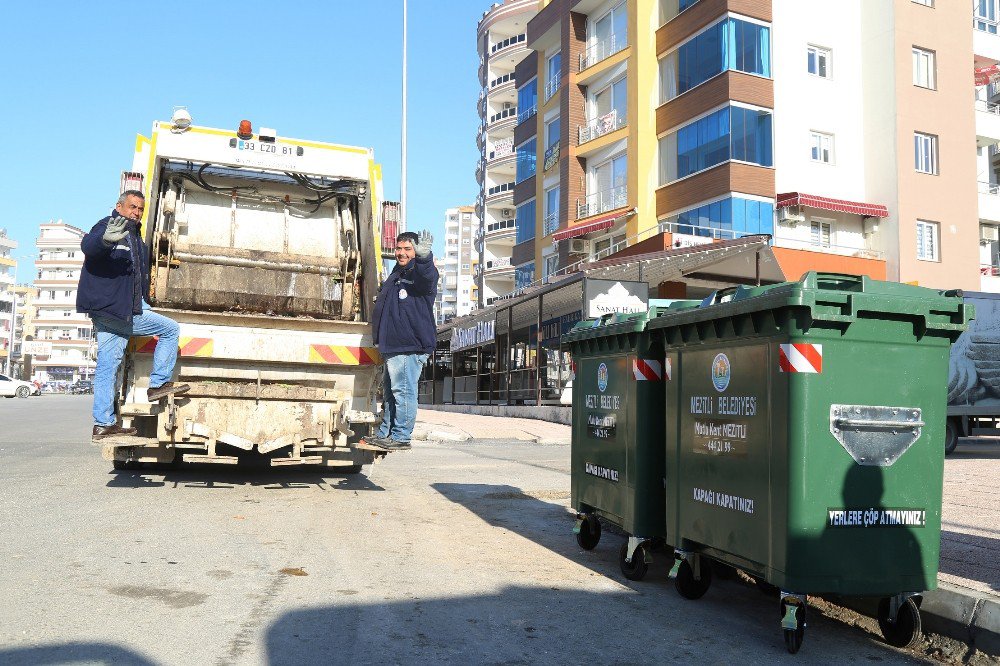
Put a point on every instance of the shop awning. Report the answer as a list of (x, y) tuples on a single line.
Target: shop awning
[(826, 203), (600, 224)]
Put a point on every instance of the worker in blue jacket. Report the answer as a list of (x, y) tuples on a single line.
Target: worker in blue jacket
[(114, 291), (404, 331)]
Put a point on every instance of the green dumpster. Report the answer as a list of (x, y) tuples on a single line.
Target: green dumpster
[(802, 429), (617, 448)]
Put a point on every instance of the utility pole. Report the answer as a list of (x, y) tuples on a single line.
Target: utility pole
[(402, 180)]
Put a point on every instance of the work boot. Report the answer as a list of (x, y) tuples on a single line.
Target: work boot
[(100, 432), (388, 444), (170, 388)]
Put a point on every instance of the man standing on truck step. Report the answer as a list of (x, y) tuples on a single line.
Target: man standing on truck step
[(404, 331), (114, 291)]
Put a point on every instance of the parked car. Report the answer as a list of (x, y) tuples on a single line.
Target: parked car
[(82, 386), (15, 387)]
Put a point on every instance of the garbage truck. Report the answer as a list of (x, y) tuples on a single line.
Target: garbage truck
[(266, 250), (974, 374)]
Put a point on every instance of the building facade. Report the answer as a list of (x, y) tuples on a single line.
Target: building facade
[(458, 292), (849, 140), (24, 326), (501, 41), (63, 332), (7, 298), (986, 50)]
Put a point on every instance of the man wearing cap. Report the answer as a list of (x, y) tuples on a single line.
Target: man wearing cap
[(404, 331), (114, 291)]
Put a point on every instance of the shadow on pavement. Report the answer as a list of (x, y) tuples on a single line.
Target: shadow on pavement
[(73, 653), (971, 556), (976, 448), (218, 477)]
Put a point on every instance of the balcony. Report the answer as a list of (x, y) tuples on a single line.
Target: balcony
[(499, 190), (504, 117), (510, 41), (527, 113), (605, 124), (501, 80), (987, 123), (501, 229), (603, 50), (985, 40), (502, 149), (989, 202), (602, 202), (551, 157), (550, 223), (551, 88)]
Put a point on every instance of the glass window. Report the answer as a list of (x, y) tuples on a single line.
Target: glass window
[(822, 147), (820, 233), (551, 222), (526, 160), (525, 221), (732, 132), (925, 153), (612, 98), (986, 16), (730, 44), (925, 3), (818, 61), (524, 275), (731, 217), (923, 68), (554, 68), (527, 100), (671, 8), (614, 24), (552, 132), (927, 240), (551, 264)]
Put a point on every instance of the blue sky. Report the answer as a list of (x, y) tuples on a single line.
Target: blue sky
[(79, 80)]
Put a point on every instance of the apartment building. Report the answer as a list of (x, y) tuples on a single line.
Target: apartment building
[(501, 40), (986, 50), (458, 291), (841, 128), (67, 334), (7, 298), (24, 324)]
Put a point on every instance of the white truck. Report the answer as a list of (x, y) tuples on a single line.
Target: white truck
[(974, 374), (266, 250)]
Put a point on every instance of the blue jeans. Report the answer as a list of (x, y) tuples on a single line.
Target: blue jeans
[(402, 372), (112, 337)]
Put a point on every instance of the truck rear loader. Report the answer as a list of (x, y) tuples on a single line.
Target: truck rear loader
[(266, 251), (974, 374)]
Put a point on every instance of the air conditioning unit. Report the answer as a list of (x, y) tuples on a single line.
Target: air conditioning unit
[(506, 213), (790, 217), (989, 234), (579, 246), (508, 105)]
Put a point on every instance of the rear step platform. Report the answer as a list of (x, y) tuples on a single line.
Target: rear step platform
[(116, 441)]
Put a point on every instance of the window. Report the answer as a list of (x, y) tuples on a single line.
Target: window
[(612, 28), (822, 147), (524, 275), (671, 8), (551, 221), (553, 75), (527, 100), (925, 153), (552, 132), (818, 61), (525, 160), (67, 294), (465, 241), (731, 133), (927, 240), (612, 98), (925, 3), (923, 68), (608, 245), (525, 217), (730, 217), (465, 267), (986, 16), (730, 44), (820, 233)]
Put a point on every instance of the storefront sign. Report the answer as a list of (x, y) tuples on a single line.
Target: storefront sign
[(36, 348), (471, 336), (607, 296)]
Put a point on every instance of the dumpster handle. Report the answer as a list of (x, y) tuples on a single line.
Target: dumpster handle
[(870, 423)]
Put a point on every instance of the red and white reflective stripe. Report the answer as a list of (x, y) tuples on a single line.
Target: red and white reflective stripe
[(801, 357), (647, 370)]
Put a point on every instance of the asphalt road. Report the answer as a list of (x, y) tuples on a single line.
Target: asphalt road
[(450, 553)]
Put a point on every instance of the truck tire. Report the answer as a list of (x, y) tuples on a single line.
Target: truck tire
[(950, 436)]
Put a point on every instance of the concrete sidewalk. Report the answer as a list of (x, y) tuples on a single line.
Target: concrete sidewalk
[(966, 605)]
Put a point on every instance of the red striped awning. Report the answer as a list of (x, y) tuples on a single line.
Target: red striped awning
[(600, 224), (826, 203)]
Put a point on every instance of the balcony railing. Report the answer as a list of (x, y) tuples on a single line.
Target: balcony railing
[(827, 248), (602, 50), (989, 188), (503, 225), (982, 105), (500, 80), (551, 88), (602, 202), (500, 115), (500, 189), (502, 44), (527, 113), (550, 223), (551, 156), (605, 124)]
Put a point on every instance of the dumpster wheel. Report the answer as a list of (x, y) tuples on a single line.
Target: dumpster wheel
[(637, 568), (686, 584), (905, 630), (793, 621), (588, 531)]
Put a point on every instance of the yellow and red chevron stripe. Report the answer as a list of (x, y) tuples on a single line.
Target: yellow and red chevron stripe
[(343, 355), (189, 346)]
